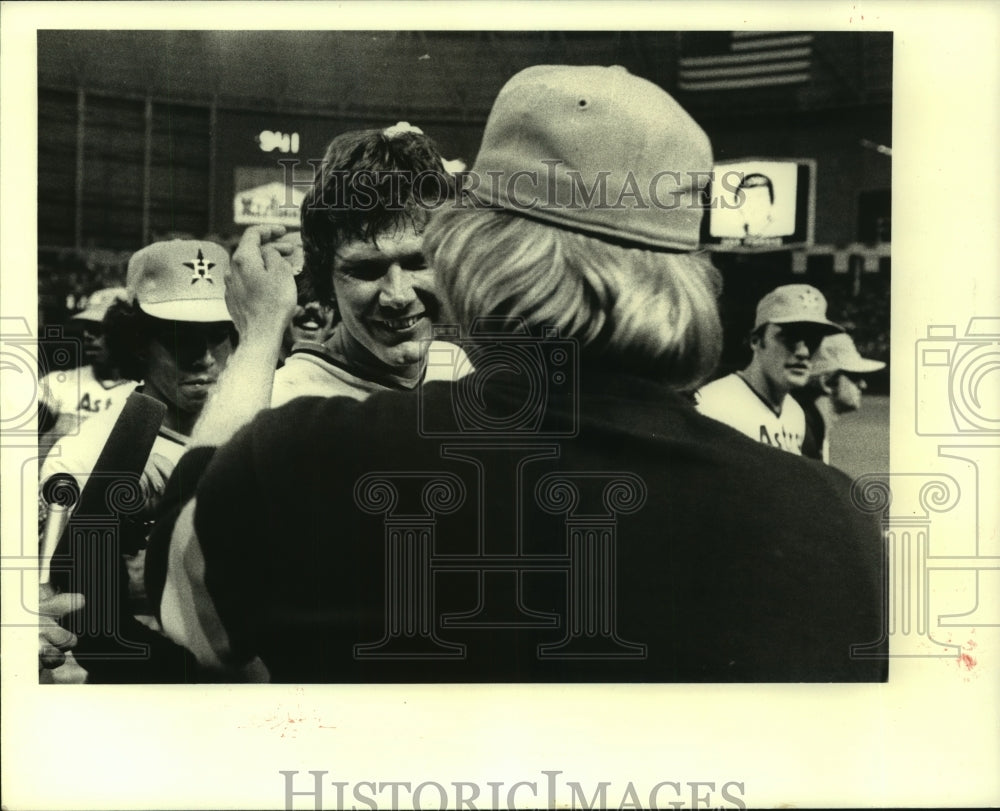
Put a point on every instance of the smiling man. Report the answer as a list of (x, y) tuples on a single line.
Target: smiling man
[(313, 321), (790, 325), (362, 234)]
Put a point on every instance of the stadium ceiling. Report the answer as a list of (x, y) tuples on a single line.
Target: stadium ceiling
[(452, 75)]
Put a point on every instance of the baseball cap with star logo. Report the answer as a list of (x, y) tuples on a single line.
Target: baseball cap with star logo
[(795, 304), (180, 280)]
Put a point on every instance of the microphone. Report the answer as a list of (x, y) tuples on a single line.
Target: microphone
[(121, 460), (92, 563), (61, 493)]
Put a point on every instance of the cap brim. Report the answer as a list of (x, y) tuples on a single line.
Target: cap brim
[(828, 327), (96, 316), (861, 366), (197, 310)]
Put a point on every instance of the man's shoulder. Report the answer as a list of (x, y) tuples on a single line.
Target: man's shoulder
[(302, 364), (72, 384), (58, 385), (722, 384), (720, 391), (310, 374), (743, 458), (446, 361), (94, 429), (818, 491), (81, 448)]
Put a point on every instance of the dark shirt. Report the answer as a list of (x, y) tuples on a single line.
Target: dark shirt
[(511, 528), (812, 442)]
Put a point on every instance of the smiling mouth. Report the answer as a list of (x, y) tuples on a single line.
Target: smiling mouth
[(401, 324)]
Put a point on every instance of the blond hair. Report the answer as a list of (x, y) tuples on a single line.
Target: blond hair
[(651, 312)]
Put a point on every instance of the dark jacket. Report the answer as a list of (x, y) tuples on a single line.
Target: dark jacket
[(518, 528)]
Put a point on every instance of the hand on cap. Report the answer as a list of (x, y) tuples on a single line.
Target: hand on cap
[(260, 285)]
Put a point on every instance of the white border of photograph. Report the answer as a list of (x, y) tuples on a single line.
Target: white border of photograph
[(928, 738)]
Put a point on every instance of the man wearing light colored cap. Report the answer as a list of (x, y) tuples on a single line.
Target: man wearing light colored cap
[(69, 397), (563, 513), (172, 331), (790, 324), (835, 388)]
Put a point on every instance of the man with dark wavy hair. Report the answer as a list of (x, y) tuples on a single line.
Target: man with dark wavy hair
[(362, 234)]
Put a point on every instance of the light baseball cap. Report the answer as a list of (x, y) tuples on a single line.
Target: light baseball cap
[(180, 280), (795, 304), (557, 135), (838, 353), (99, 301)]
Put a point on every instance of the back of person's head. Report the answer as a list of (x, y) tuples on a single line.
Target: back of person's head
[(584, 213), (650, 312), (371, 182)]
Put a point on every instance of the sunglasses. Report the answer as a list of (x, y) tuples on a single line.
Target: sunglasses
[(791, 336)]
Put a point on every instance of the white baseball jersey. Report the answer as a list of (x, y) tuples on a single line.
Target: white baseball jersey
[(77, 454), (308, 373), (76, 395), (731, 400)]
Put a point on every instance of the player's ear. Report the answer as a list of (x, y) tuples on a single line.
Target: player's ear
[(827, 382)]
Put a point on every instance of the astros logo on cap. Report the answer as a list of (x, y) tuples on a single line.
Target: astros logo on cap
[(200, 268)]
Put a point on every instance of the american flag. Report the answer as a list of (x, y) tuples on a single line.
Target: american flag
[(737, 60)]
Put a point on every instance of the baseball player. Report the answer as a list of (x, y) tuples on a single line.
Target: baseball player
[(172, 331), (790, 324), (835, 388), (365, 291), (67, 398)]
